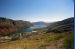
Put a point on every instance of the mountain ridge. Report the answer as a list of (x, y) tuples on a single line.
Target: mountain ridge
[(60, 26)]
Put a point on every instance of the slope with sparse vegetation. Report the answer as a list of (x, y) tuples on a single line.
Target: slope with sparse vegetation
[(8, 26)]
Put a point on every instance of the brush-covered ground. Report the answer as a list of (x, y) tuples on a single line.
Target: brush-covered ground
[(42, 40)]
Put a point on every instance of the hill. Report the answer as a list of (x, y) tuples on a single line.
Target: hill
[(43, 40), (8, 26), (38, 25), (62, 26)]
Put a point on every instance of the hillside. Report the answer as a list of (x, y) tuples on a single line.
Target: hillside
[(46, 39), (8, 26), (38, 25), (62, 26)]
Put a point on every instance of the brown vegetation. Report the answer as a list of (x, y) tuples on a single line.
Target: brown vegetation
[(8, 26)]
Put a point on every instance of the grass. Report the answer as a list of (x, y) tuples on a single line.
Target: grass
[(38, 41), (69, 41), (25, 48), (55, 37)]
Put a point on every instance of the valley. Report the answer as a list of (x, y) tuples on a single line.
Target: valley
[(57, 35)]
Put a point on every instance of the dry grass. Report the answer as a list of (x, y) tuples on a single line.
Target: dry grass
[(40, 41)]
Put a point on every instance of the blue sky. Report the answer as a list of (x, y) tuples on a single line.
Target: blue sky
[(37, 10)]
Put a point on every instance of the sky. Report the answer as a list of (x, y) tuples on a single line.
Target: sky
[(37, 10)]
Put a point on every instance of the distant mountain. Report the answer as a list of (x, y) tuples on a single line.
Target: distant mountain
[(39, 25), (8, 26), (62, 26)]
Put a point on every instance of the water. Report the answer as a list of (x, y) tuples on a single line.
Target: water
[(38, 26), (21, 31), (27, 30)]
